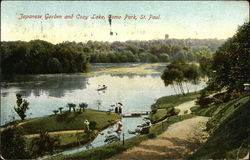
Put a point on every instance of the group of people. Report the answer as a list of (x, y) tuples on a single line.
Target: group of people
[(119, 127), (118, 130), (118, 108)]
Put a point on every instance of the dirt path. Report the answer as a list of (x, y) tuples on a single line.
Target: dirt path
[(178, 141), (19, 124), (186, 107), (56, 133)]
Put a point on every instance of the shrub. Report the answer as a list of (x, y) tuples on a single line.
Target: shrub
[(234, 94), (151, 135), (92, 125), (203, 102), (217, 100), (44, 143), (13, 143), (22, 106)]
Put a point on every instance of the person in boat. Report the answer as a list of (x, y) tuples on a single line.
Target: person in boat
[(99, 87), (103, 87)]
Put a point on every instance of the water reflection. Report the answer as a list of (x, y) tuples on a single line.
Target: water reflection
[(52, 87), (135, 91)]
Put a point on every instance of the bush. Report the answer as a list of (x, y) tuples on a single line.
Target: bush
[(235, 94), (151, 135), (217, 100), (172, 112), (92, 125), (13, 143), (204, 102), (44, 143)]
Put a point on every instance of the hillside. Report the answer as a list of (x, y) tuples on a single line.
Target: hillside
[(228, 128)]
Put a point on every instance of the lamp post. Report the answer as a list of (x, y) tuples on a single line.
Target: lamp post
[(247, 88)]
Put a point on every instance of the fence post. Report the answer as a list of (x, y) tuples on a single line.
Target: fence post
[(123, 139), (161, 126)]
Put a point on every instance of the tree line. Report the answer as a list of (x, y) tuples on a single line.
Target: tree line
[(227, 68), (39, 56), (151, 51)]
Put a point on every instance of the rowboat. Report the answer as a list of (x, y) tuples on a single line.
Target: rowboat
[(103, 88)]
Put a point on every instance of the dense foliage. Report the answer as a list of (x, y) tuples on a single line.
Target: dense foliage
[(180, 75), (228, 128), (230, 66), (22, 106), (39, 56), (13, 143), (151, 51), (44, 143)]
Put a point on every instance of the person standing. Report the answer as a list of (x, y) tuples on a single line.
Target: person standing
[(86, 125), (119, 130)]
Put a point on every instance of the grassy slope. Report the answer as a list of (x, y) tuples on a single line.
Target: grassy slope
[(110, 150), (158, 116), (229, 128), (174, 100), (70, 121), (163, 103), (162, 114)]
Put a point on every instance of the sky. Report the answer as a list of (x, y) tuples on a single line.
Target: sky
[(178, 19)]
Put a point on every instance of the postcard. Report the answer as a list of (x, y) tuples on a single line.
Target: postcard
[(124, 80)]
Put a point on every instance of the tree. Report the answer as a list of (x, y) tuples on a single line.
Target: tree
[(179, 72), (173, 77), (22, 106), (55, 112), (54, 66), (71, 105), (60, 109), (192, 75), (205, 65), (230, 64), (44, 143), (82, 106), (164, 57), (13, 143)]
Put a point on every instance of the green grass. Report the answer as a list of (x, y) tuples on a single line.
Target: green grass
[(161, 114), (69, 121), (228, 128), (201, 111), (69, 140), (174, 100), (110, 150), (160, 107)]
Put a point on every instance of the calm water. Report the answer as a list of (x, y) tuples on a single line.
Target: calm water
[(46, 93)]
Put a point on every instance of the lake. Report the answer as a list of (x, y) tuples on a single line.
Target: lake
[(137, 86)]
